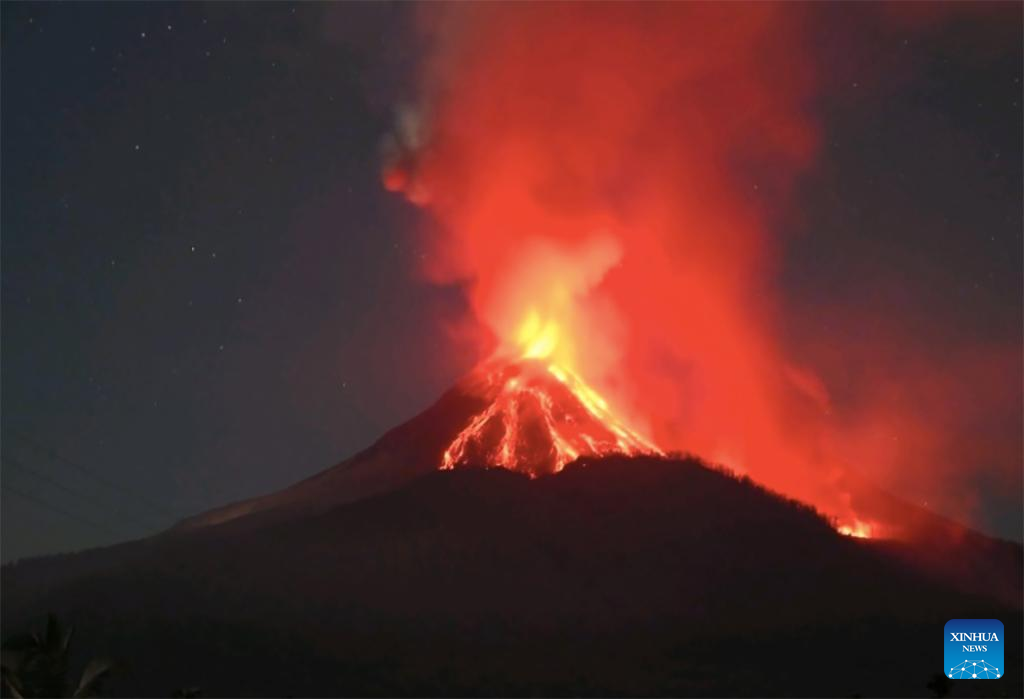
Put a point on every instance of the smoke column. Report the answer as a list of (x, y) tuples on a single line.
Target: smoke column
[(619, 170)]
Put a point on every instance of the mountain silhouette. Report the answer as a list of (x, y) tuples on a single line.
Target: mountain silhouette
[(526, 415), (618, 575)]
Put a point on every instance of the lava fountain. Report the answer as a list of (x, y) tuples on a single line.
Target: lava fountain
[(540, 414)]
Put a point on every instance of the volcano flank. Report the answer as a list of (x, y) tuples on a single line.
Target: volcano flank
[(527, 415), (590, 565), (539, 417)]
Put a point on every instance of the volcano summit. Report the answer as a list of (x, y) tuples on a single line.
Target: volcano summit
[(538, 418), (528, 415)]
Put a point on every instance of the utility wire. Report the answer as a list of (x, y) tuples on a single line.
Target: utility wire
[(134, 497), (59, 510), (72, 492)]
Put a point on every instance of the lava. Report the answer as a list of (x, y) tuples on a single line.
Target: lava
[(540, 413), (858, 529), (540, 417)]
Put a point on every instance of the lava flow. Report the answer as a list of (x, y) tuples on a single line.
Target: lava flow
[(540, 415), (857, 529)]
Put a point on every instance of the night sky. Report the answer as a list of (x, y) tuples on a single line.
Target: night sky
[(207, 294)]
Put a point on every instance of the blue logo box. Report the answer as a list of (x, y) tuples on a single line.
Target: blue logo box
[(973, 649)]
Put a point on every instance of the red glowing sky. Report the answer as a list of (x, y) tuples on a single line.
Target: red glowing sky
[(628, 174)]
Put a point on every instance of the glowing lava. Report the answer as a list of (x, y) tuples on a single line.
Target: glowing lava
[(540, 417), (857, 529), (540, 414)]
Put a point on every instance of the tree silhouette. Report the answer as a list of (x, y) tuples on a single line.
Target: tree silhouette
[(36, 665)]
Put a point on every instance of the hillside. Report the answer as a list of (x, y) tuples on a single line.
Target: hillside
[(616, 576)]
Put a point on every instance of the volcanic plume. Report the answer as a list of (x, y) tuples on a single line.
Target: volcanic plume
[(607, 183)]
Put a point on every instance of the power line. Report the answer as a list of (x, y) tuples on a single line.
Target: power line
[(71, 491), (59, 510), (133, 496)]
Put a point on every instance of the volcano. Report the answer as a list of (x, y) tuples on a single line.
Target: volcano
[(538, 418), (527, 415), (589, 563)]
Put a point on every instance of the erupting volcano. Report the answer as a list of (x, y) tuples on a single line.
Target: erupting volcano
[(539, 413), (539, 417), (679, 354)]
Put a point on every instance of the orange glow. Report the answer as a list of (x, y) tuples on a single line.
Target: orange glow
[(605, 182), (537, 338), (856, 529), (596, 226), (540, 415)]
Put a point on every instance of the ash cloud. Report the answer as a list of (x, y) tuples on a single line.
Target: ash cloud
[(672, 135)]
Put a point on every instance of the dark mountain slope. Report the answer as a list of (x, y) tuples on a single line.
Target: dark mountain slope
[(403, 453), (637, 576)]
